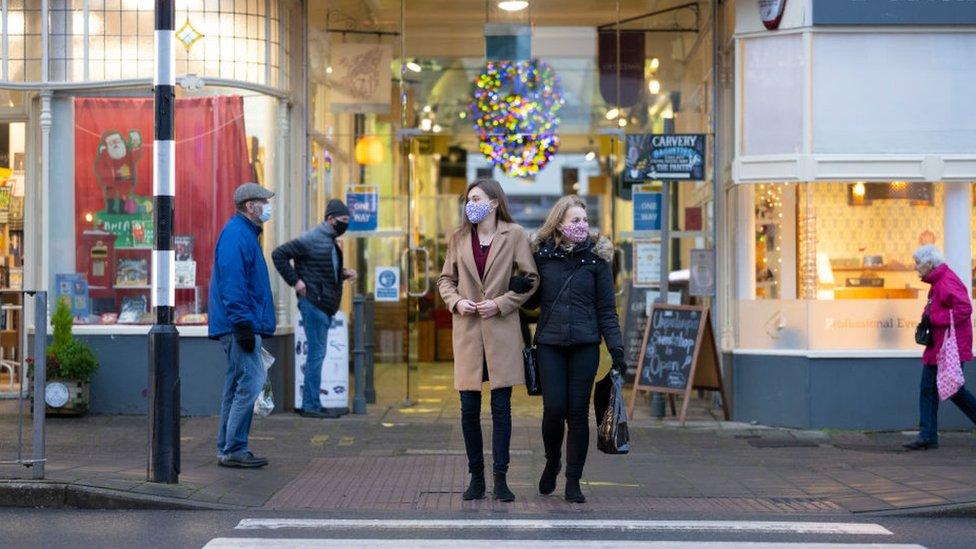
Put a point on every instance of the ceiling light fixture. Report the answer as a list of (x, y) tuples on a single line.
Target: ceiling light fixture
[(413, 66), (590, 156), (513, 5), (655, 63), (654, 86), (613, 113)]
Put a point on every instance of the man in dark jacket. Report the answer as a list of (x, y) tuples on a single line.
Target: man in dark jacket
[(312, 263), (241, 313)]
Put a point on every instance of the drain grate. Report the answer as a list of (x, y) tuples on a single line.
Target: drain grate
[(451, 501), (871, 448)]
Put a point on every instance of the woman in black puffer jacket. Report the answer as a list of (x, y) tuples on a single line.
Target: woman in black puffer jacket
[(577, 308)]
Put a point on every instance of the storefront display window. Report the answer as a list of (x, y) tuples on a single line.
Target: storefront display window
[(833, 264), (99, 40), (113, 201)]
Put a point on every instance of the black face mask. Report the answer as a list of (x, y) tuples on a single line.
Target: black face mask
[(340, 227)]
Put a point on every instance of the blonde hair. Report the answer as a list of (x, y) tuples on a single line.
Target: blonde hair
[(550, 229)]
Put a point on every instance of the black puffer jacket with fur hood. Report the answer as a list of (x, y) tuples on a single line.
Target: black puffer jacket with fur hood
[(586, 310)]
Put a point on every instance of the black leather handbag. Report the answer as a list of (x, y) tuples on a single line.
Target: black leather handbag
[(530, 357), (923, 332)]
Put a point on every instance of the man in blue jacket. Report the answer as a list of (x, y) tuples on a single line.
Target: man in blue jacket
[(241, 312)]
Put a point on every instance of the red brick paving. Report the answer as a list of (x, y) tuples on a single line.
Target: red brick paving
[(435, 483)]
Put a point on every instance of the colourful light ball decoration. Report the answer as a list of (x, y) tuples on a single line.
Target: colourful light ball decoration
[(515, 114)]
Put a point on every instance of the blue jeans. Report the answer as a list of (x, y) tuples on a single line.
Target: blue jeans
[(501, 426), (244, 381), (928, 405), (317, 325)]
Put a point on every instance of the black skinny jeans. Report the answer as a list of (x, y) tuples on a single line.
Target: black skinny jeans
[(501, 429), (567, 374)]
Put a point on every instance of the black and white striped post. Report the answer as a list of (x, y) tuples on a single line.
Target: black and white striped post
[(164, 363)]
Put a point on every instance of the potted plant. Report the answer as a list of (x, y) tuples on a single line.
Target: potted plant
[(70, 366)]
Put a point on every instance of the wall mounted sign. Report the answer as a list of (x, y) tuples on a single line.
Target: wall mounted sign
[(771, 12), (647, 211), (360, 79), (647, 263), (387, 284), (655, 157), (363, 206), (889, 12)]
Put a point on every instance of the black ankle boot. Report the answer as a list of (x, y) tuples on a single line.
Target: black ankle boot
[(547, 484), (502, 493), (476, 488), (574, 494)]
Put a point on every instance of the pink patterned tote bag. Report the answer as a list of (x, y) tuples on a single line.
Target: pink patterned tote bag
[(949, 376)]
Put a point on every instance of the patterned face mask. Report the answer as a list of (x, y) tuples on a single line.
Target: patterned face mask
[(576, 232), (477, 211)]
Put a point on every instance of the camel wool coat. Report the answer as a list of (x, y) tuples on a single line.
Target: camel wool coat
[(497, 340)]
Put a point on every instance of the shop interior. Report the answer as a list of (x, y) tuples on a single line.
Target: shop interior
[(12, 344), (844, 240)]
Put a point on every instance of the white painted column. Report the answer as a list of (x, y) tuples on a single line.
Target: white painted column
[(957, 226), (283, 299), (745, 242)]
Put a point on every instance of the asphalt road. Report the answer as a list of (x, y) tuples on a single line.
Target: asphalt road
[(75, 529)]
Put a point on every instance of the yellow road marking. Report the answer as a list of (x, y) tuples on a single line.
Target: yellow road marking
[(346, 441), (601, 483), (418, 410), (319, 440)]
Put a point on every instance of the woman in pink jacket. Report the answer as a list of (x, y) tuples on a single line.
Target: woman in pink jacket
[(947, 295)]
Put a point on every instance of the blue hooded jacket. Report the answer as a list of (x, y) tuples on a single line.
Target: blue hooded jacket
[(240, 289)]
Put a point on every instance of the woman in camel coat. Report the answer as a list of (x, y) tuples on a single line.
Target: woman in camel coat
[(484, 253)]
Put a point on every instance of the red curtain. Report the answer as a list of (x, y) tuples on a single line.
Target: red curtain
[(114, 171)]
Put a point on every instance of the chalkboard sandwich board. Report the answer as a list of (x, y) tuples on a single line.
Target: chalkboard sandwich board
[(678, 355)]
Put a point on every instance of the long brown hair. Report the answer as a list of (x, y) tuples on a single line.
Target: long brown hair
[(495, 192), (550, 229)]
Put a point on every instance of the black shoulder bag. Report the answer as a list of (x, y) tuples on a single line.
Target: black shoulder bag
[(530, 360), (923, 331)]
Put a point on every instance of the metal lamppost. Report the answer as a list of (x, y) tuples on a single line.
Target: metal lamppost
[(164, 363)]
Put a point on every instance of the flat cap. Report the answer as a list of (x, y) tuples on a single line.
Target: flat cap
[(251, 191)]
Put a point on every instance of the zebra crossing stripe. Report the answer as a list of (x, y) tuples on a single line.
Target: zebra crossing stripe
[(729, 526), (307, 543)]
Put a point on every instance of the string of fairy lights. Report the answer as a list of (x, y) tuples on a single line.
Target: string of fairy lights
[(515, 113), (769, 216)]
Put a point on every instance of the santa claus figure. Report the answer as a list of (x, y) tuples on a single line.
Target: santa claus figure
[(115, 168)]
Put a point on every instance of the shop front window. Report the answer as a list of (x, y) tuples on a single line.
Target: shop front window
[(222, 141), (832, 264), (96, 40)]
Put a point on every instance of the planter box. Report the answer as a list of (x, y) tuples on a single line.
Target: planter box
[(79, 398)]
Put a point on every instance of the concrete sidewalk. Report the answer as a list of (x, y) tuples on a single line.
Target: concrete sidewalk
[(413, 459)]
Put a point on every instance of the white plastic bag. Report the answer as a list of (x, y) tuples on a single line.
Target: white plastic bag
[(264, 405)]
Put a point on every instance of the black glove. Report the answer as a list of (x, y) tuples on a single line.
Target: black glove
[(520, 284), (619, 363), (245, 337)]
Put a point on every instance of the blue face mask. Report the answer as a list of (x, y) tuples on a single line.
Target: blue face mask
[(477, 211), (265, 212)]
